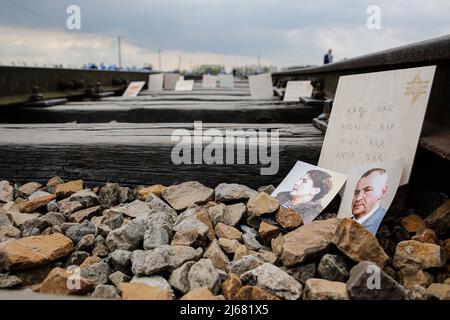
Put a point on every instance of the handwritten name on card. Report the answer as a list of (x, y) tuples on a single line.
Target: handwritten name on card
[(133, 89), (377, 117), (297, 89)]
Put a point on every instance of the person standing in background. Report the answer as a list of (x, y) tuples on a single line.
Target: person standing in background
[(328, 58)]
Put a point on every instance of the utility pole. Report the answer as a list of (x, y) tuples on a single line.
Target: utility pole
[(159, 60), (179, 63), (120, 51), (259, 63)]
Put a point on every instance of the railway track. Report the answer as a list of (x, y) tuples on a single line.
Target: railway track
[(128, 140)]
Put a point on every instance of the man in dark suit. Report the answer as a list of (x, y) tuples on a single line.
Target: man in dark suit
[(306, 194), (366, 204)]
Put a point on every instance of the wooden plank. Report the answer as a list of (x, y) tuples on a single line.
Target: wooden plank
[(136, 154), (181, 111)]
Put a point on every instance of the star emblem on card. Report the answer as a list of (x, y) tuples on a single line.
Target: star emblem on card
[(416, 87)]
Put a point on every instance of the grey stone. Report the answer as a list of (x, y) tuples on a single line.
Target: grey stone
[(112, 219), (103, 291), (163, 219), (78, 231), (138, 262), (120, 260), (322, 289), (217, 213), (364, 275), (156, 204), (234, 214), (417, 292), (128, 237), (274, 280), (229, 215), (16, 217), (52, 206), (333, 267), (222, 275), (31, 190), (187, 220), (303, 272), (136, 209), (118, 277), (308, 242), (34, 227), (179, 277), (9, 282), (217, 256), (54, 218), (229, 246), (186, 194), (103, 230), (67, 207), (162, 259), (100, 250), (86, 243), (98, 273), (267, 189), (37, 194), (153, 281), (245, 264), (126, 195), (77, 258), (4, 220), (250, 238), (6, 191), (155, 236), (52, 183), (99, 240), (86, 197), (66, 225), (232, 192), (109, 195), (439, 220), (204, 274), (8, 232)]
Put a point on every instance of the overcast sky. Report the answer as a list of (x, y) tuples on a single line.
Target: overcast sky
[(229, 32)]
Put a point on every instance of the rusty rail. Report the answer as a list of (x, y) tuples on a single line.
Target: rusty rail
[(17, 83)]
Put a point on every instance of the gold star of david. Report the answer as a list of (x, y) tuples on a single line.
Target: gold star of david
[(416, 87)]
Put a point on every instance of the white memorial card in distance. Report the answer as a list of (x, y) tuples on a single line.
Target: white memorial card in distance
[(133, 89), (184, 85), (170, 80), (209, 81), (261, 86), (226, 81), (155, 82), (297, 89)]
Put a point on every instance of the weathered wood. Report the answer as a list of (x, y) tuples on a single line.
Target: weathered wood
[(136, 154), (142, 112)]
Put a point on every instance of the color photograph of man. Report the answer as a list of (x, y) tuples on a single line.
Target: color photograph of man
[(306, 194), (366, 204)]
